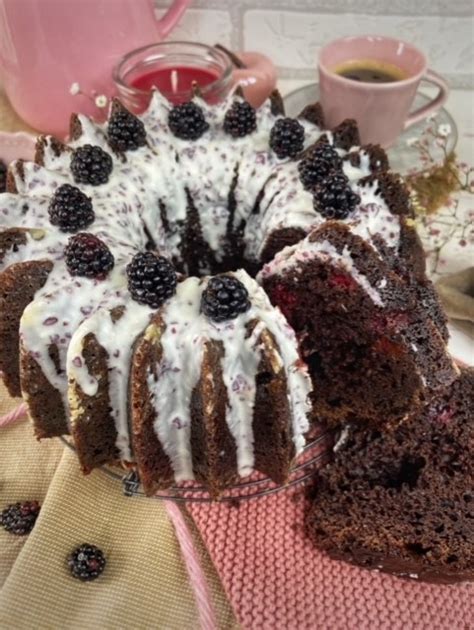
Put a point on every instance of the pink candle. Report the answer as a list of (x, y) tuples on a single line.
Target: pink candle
[(173, 68), (176, 83)]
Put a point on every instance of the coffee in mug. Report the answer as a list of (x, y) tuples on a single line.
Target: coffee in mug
[(374, 79), (370, 71)]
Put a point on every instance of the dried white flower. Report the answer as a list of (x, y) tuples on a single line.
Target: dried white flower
[(411, 141), (444, 130), (75, 89), (101, 101)]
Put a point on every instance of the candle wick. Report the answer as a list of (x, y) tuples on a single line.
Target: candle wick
[(174, 81)]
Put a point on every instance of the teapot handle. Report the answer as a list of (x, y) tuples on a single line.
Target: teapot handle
[(172, 16)]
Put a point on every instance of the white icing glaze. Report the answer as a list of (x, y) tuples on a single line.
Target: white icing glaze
[(357, 172), (373, 217), (186, 331), (299, 384), (286, 204), (117, 338), (57, 311)]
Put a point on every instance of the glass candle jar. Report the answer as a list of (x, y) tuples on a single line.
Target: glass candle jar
[(173, 68)]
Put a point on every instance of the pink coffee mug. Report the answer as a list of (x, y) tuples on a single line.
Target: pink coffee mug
[(46, 46), (382, 110)]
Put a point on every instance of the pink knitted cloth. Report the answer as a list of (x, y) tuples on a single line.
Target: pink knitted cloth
[(276, 580)]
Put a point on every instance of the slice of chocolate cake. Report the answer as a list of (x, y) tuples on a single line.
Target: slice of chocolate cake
[(402, 501), (372, 352)]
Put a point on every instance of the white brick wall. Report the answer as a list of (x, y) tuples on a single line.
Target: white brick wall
[(292, 31)]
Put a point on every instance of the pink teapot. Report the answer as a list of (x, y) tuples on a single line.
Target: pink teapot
[(51, 49)]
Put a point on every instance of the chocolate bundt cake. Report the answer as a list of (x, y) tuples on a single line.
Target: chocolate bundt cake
[(402, 501), (128, 313)]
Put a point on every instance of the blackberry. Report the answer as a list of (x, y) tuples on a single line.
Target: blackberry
[(151, 279), (240, 120), (20, 518), (318, 164), (70, 209), (86, 562), (224, 298), (187, 121), (334, 198), (125, 132), (86, 255), (91, 165), (3, 176), (287, 137)]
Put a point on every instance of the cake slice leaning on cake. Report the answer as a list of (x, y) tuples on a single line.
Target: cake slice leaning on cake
[(372, 350)]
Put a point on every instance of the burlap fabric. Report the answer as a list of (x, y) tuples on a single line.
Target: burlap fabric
[(144, 585)]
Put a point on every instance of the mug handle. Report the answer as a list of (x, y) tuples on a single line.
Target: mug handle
[(422, 112), (172, 17)]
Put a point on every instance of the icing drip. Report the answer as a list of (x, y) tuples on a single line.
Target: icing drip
[(58, 310), (357, 172), (185, 332), (116, 334), (373, 217)]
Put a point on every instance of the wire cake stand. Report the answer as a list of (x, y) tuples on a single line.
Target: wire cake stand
[(315, 454)]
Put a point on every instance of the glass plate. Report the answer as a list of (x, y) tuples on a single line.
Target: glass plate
[(404, 155)]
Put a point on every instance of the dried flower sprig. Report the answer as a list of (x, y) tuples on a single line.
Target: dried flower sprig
[(435, 182), (101, 101)]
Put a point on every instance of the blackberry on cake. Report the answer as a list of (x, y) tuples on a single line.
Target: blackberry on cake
[(240, 120), (287, 137), (70, 209), (334, 198), (402, 501), (91, 165), (86, 255), (224, 298), (20, 518), (125, 131), (187, 121), (317, 164), (86, 562), (151, 279)]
